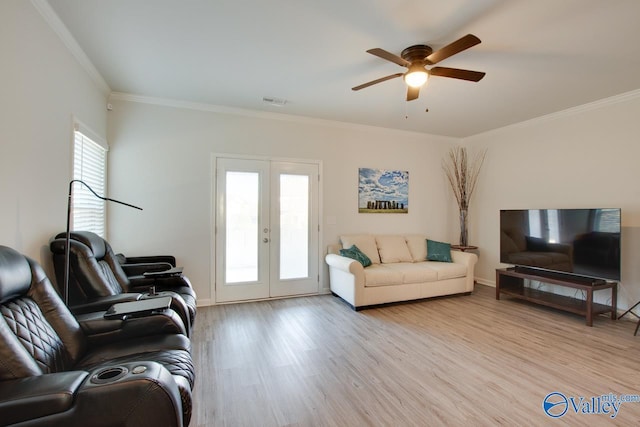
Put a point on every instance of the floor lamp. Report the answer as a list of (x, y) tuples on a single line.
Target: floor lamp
[(68, 235), (630, 311)]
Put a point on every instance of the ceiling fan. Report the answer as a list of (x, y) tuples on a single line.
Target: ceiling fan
[(416, 57)]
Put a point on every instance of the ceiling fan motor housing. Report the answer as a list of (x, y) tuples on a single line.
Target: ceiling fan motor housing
[(416, 52)]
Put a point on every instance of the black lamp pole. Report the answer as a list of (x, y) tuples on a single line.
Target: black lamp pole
[(68, 236)]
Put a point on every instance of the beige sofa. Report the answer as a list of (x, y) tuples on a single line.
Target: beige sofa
[(399, 271)]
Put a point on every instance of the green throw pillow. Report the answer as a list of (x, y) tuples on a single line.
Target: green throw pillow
[(438, 251), (354, 253)]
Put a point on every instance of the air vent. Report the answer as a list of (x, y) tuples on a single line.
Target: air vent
[(276, 102)]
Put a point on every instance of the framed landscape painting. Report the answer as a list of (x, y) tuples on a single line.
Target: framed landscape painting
[(383, 191)]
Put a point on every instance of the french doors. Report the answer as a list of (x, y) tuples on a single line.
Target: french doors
[(267, 229)]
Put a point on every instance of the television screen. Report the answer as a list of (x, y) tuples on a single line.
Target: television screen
[(584, 242)]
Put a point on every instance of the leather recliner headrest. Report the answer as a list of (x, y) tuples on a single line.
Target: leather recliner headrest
[(96, 243), (15, 274)]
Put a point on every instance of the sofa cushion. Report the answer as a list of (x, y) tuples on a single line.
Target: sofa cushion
[(382, 275), (415, 272), (445, 270), (354, 253), (365, 242), (417, 244), (393, 249), (438, 251)]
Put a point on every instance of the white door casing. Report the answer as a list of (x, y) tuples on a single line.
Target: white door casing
[(267, 229)]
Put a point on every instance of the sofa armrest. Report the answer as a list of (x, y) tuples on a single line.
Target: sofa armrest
[(346, 278), (345, 264), (467, 258), (28, 398)]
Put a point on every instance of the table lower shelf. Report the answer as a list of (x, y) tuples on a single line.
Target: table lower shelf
[(560, 302), (511, 282)]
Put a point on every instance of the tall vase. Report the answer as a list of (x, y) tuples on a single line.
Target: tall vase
[(463, 228)]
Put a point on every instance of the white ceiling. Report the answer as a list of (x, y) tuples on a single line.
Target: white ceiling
[(540, 56)]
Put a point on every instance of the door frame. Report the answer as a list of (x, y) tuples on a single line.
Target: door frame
[(213, 220)]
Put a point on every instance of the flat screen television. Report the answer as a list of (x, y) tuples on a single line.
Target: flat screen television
[(580, 242)]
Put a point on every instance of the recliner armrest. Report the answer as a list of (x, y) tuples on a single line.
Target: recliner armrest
[(148, 259), (103, 303), (140, 283), (165, 283), (100, 331), (145, 394), (39, 396), (142, 399), (146, 267)]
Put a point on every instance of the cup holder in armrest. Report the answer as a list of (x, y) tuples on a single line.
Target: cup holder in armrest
[(110, 374)]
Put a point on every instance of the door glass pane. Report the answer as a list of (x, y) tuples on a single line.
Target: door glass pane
[(294, 226), (242, 227)]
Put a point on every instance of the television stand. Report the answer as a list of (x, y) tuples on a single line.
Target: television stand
[(510, 281)]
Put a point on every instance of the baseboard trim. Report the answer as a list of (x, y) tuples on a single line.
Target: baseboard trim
[(486, 282), (204, 302)]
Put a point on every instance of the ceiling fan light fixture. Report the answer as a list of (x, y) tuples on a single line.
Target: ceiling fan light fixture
[(417, 76), (415, 58)]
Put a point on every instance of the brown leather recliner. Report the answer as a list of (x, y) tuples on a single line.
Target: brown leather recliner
[(97, 279), (51, 373)]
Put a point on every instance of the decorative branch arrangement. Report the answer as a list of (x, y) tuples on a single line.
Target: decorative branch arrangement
[(463, 177)]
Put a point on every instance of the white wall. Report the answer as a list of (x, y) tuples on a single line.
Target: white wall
[(160, 159), (42, 87), (582, 158)]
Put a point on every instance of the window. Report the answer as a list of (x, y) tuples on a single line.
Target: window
[(89, 165), (607, 220)]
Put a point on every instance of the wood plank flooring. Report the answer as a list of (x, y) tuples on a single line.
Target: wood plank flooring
[(468, 360)]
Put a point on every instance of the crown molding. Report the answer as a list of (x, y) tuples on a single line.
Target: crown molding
[(601, 103), (70, 42), (590, 106), (173, 103)]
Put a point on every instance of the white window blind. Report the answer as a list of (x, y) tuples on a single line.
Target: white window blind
[(89, 165)]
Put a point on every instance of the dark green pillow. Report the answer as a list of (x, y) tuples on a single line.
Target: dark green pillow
[(438, 251), (354, 253)]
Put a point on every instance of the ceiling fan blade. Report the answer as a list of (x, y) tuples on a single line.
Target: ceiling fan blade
[(451, 49), (381, 53), (456, 73), (412, 93), (373, 82)]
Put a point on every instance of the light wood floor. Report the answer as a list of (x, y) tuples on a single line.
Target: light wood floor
[(468, 360)]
